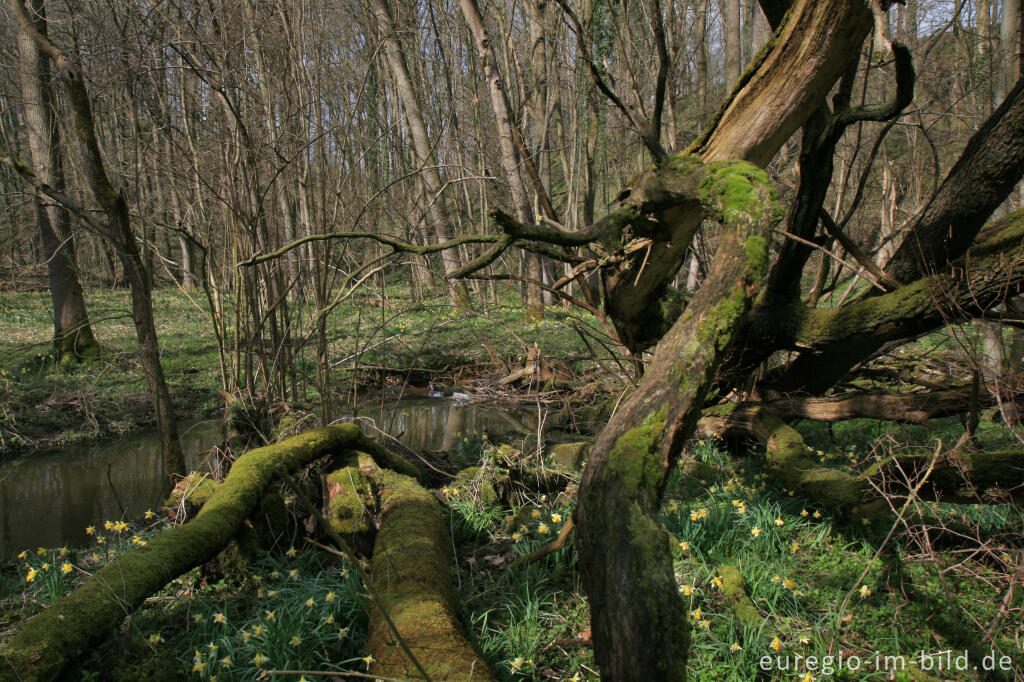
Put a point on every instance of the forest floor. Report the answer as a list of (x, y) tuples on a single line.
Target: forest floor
[(831, 599), (880, 596), (43, 407)]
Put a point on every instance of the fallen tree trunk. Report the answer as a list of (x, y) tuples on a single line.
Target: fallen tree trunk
[(909, 408), (412, 579), (958, 476), (76, 623)]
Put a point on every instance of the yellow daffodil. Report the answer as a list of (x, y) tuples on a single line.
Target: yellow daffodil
[(310, 602), (776, 644), (155, 638), (329, 598), (543, 529), (32, 573), (66, 568), (219, 618), (756, 531), (865, 591), (295, 640), (735, 647)]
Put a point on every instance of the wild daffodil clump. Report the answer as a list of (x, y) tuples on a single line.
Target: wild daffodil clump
[(810, 580), (300, 611)]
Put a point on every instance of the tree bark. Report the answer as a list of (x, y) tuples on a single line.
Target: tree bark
[(72, 334), (425, 159), (119, 233), (639, 624)]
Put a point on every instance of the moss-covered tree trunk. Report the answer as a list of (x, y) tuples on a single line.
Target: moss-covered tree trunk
[(412, 579), (639, 623), (76, 623)]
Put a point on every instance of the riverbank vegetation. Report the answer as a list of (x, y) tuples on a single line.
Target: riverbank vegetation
[(398, 348)]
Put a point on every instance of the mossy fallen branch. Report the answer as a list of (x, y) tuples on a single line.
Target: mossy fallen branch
[(736, 592), (76, 623), (412, 578), (958, 476)]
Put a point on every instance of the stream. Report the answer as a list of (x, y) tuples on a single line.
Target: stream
[(48, 499)]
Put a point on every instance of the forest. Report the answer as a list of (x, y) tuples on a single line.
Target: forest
[(511, 340)]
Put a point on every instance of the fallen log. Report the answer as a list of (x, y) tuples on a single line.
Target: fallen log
[(76, 623), (910, 408), (412, 578), (957, 476), (735, 591)]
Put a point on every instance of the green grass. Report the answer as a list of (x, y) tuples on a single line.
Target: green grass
[(43, 406), (822, 587)]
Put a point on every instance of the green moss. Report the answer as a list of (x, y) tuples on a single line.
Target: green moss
[(682, 163), (351, 504), (412, 576), (755, 261), (731, 191), (734, 588), (74, 624), (189, 496), (634, 460), (479, 483), (568, 456)]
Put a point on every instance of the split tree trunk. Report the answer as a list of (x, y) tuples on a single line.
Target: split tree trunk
[(638, 621)]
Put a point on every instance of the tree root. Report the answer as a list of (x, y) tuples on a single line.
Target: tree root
[(76, 623)]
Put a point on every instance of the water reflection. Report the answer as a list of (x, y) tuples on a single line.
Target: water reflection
[(440, 424), (48, 500)]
